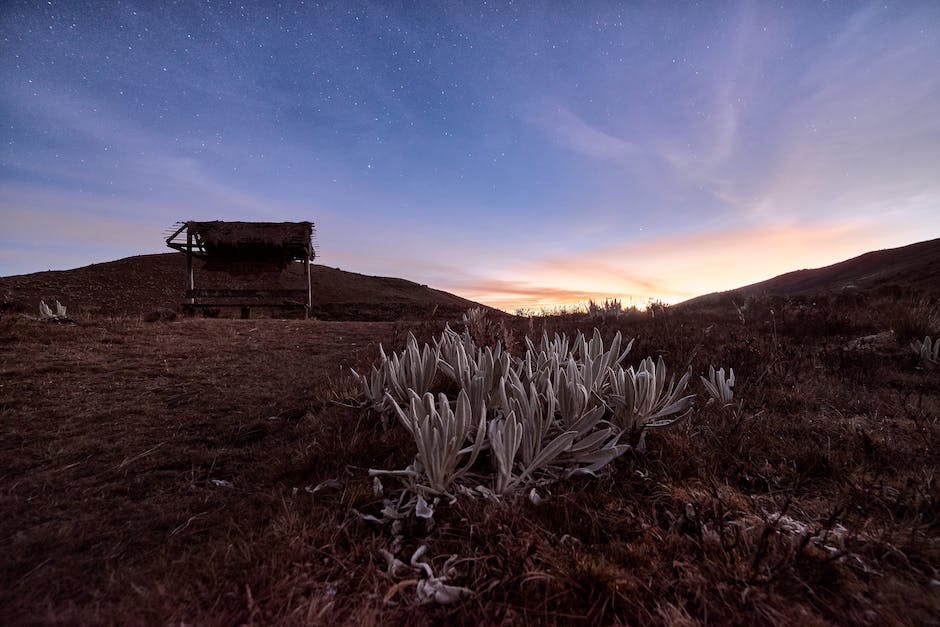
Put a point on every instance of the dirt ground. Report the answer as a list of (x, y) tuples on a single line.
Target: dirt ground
[(210, 472), (127, 445)]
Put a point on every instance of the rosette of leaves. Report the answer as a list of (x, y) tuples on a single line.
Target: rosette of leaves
[(542, 442), (557, 345), (48, 313), (719, 387), (454, 359), (373, 387), (579, 409), (595, 362), (461, 361), (582, 411), (560, 437), (414, 369), (448, 440), (643, 400), (505, 435)]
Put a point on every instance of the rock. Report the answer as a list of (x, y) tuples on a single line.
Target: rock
[(881, 343)]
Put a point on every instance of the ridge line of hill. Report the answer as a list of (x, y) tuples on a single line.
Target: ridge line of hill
[(914, 268), (142, 283)]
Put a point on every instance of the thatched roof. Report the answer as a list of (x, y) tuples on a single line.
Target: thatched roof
[(258, 245)]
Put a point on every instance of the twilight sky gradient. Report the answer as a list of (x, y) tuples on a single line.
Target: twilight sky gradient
[(518, 154)]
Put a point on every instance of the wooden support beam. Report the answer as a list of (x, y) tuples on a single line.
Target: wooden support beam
[(247, 293), (244, 305), (309, 285), (190, 277)]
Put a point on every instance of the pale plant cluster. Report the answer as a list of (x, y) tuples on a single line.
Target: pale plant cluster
[(565, 407), (474, 318), (610, 308), (928, 351), (720, 388), (56, 312)]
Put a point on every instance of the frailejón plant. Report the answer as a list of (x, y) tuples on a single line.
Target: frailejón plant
[(440, 434), (720, 389), (563, 408), (505, 439), (373, 387), (414, 369), (47, 313), (642, 400), (927, 351)]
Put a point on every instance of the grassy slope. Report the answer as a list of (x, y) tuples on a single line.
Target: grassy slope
[(908, 269), (817, 504), (137, 285)]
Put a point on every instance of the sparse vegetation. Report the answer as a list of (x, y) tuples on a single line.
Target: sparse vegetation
[(610, 308), (915, 320), (223, 472)]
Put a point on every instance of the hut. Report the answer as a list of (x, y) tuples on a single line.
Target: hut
[(242, 249)]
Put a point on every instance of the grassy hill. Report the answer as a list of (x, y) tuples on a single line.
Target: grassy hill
[(137, 285), (913, 269)]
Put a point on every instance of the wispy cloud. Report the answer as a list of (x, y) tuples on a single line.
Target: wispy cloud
[(565, 127), (865, 137)]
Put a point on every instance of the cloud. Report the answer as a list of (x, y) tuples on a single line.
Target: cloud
[(865, 136), (565, 127), (845, 127)]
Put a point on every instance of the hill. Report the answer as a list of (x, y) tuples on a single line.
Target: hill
[(137, 285), (909, 269)]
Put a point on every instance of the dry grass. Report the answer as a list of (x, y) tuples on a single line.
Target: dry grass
[(138, 285), (816, 503)]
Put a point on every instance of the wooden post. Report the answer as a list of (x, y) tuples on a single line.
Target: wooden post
[(309, 285), (190, 282)]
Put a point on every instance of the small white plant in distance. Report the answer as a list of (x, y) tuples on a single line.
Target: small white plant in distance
[(928, 351), (719, 387), (56, 312)]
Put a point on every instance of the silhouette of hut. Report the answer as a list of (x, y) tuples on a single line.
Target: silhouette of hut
[(245, 248)]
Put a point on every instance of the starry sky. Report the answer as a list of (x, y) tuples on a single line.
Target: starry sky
[(521, 154)]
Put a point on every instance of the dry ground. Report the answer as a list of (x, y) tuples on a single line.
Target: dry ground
[(167, 473)]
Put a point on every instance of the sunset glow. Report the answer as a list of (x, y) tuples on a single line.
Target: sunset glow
[(671, 270), (520, 156)]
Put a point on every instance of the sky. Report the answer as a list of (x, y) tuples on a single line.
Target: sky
[(520, 154)]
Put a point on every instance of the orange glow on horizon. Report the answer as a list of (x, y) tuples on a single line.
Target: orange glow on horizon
[(674, 269)]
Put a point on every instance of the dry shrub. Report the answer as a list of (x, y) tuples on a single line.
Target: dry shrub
[(915, 320)]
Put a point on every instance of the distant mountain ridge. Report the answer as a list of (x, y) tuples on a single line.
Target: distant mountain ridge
[(912, 268), (137, 285)]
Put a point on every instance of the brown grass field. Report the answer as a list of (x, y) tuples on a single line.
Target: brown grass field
[(210, 471)]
